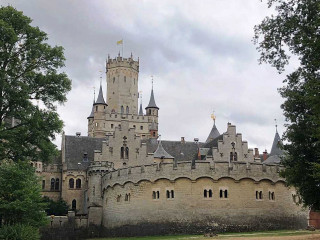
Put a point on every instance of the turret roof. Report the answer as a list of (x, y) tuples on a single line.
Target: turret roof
[(92, 111), (213, 134), (100, 99), (275, 150), (152, 102), (140, 110), (161, 153)]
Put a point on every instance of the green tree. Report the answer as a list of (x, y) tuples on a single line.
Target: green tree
[(29, 73), (295, 31), (20, 195), (57, 208)]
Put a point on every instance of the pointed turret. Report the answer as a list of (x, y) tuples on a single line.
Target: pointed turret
[(275, 150), (141, 110), (100, 99), (214, 131), (161, 155), (92, 111), (152, 102)]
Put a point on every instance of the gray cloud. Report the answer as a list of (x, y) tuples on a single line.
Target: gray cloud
[(200, 53)]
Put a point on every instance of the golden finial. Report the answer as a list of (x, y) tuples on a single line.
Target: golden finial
[(213, 117)]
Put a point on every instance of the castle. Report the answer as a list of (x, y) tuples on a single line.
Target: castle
[(123, 178)]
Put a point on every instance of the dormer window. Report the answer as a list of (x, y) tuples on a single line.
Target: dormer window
[(85, 157)]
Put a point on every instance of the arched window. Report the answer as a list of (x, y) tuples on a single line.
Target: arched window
[(57, 184), (210, 193), (221, 193), (43, 184), (226, 193), (52, 184), (127, 153), (71, 183), (154, 195), (149, 111), (78, 183), (168, 194), (122, 110), (127, 110), (260, 195), (96, 108), (172, 194), (74, 205), (257, 195), (205, 193), (122, 153), (235, 156)]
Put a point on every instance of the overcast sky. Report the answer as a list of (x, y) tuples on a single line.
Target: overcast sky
[(200, 54)]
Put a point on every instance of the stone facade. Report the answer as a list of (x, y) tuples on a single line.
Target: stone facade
[(133, 184)]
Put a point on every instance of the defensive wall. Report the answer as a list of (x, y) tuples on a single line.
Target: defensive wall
[(197, 197)]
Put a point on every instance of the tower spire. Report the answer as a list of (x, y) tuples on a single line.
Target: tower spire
[(152, 102), (92, 110), (214, 131), (275, 121), (100, 99)]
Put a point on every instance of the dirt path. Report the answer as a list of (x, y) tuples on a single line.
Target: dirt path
[(315, 236)]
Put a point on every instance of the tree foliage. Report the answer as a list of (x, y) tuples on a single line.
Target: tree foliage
[(57, 208), (295, 30), (29, 73), (20, 196)]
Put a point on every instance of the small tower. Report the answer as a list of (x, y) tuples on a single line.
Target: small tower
[(140, 109), (214, 131), (100, 107), (152, 109), (275, 149), (153, 129), (91, 119)]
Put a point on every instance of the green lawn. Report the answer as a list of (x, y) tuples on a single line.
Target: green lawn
[(220, 236)]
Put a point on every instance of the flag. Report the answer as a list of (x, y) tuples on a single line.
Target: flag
[(120, 42)]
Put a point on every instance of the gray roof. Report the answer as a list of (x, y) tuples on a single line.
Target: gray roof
[(92, 111), (100, 99), (76, 148), (273, 159), (212, 143), (275, 150), (140, 110), (161, 153), (213, 134), (152, 102), (181, 151)]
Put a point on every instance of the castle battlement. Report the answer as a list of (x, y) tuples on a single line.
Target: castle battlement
[(202, 169), (100, 167), (122, 62), (132, 117)]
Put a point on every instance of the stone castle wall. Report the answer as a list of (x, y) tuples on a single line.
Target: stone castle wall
[(129, 206)]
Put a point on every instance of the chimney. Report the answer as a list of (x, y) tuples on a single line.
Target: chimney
[(182, 140), (78, 134), (256, 153), (265, 155)]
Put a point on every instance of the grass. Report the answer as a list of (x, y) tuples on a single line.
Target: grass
[(220, 236)]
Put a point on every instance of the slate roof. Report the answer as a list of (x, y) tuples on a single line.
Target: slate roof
[(179, 150), (212, 143), (100, 99), (276, 152), (92, 111), (213, 134), (140, 110), (152, 102), (76, 147), (161, 153)]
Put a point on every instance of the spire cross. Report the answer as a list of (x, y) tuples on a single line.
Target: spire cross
[(275, 121)]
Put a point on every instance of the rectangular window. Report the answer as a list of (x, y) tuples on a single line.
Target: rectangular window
[(156, 194), (170, 194), (223, 193), (43, 184), (259, 195), (111, 125)]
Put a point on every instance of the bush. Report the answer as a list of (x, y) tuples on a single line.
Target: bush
[(19, 232)]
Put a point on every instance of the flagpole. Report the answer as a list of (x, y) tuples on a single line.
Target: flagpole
[(122, 47)]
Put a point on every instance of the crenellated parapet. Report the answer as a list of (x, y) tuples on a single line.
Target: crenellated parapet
[(213, 170), (100, 167), (122, 62)]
